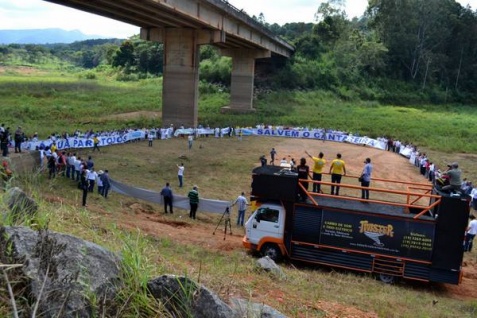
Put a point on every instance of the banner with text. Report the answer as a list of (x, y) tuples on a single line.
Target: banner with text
[(77, 142), (402, 238)]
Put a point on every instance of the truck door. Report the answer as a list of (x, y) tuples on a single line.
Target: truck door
[(267, 222)]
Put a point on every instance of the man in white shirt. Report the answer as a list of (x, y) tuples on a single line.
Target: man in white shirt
[(180, 173), (190, 140), (242, 203), (70, 169), (91, 176), (470, 234), (473, 196), (77, 165)]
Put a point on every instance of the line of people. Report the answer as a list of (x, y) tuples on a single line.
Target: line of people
[(337, 171)]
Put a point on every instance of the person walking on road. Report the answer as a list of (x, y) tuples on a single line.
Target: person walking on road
[(193, 196), (166, 193)]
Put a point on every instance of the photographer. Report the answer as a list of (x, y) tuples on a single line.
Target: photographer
[(455, 180), (242, 206)]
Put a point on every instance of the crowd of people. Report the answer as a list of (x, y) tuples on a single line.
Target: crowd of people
[(66, 163), (81, 170), (448, 180), (337, 170)]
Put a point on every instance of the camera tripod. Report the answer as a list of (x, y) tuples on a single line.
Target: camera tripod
[(226, 218)]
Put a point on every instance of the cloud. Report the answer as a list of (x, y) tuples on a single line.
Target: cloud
[(35, 14), (286, 11)]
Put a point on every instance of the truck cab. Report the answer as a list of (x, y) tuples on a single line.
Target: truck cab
[(264, 230)]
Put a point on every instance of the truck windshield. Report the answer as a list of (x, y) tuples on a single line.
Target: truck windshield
[(267, 214)]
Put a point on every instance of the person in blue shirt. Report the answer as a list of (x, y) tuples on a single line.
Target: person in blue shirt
[(366, 178), (166, 193)]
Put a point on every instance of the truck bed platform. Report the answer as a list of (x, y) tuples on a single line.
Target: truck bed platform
[(381, 208)]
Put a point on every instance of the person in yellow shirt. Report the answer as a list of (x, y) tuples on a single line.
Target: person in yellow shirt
[(317, 170), (53, 147), (96, 143), (337, 170)]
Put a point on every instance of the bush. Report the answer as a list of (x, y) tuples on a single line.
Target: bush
[(89, 75), (127, 77)]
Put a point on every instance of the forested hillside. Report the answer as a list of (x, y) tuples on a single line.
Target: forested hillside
[(399, 52)]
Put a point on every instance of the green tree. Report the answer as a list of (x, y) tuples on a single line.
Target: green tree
[(125, 56)]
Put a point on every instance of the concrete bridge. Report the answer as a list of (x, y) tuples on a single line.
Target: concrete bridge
[(182, 26)]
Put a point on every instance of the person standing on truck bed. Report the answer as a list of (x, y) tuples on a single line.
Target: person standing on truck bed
[(317, 169), (272, 156), (263, 161), (366, 178), (303, 171), (337, 170)]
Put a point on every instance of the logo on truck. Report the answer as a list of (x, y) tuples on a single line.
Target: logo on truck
[(375, 231)]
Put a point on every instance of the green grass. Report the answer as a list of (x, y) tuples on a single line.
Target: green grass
[(48, 103)]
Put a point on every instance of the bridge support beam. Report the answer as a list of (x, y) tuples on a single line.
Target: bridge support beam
[(181, 71), (243, 73)]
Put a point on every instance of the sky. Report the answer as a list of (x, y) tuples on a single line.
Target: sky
[(38, 14)]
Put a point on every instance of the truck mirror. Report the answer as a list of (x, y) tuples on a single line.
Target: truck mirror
[(257, 217)]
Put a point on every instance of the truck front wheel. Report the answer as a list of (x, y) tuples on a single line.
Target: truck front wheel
[(387, 279), (272, 251)]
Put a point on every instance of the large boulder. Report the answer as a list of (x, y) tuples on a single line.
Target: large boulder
[(245, 308), (64, 274), (267, 264), (183, 297), (20, 204)]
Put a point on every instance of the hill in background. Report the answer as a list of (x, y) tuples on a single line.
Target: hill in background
[(44, 36)]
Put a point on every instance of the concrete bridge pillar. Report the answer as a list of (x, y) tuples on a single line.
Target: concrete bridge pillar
[(181, 71), (243, 72)]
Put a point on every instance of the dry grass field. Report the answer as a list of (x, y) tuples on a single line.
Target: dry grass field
[(222, 169)]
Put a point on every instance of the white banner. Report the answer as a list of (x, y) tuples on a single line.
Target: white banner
[(320, 135), (76, 142)]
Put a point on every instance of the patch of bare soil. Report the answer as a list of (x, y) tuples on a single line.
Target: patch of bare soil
[(468, 288), (134, 115), (162, 225), (24, 70)]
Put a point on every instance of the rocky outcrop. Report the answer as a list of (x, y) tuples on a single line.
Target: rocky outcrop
[(244, 308), (183, 297), (268, 265), (64, 274), (20, 204)]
